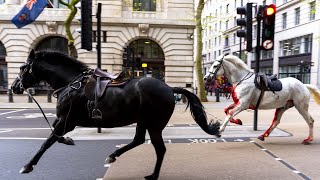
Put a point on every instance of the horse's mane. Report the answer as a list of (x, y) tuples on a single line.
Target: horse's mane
[(56, 57), (237, 61)]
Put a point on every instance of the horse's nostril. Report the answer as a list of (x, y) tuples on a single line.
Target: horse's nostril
[(205, 79)]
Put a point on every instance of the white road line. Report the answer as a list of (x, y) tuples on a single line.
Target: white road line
[(21, 138), (22, 129), (12, 111)]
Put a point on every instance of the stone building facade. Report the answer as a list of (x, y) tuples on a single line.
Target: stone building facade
[(160, 30), (296, 42)]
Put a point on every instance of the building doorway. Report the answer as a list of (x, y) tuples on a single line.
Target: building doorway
[(146, 58), (3, 70)]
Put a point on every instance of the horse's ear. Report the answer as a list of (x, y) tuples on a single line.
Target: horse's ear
[(31, 55)]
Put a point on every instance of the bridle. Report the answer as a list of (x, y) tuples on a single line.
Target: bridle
[(76, 84), (217, 68)]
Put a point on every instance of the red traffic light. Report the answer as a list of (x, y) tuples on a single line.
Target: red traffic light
[(270, 10)]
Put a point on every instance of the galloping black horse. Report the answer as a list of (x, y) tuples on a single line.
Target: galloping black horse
[(147, 101)]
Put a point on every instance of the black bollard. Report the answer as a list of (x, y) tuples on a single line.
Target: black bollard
[(196, 90), (210, 92), (29, 98), (10, 94), (217, 92), (49, 95)]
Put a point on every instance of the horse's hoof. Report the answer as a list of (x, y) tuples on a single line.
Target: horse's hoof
[(151, 177), (26, 169), (261, 138), (306, 142), (68, 141), (110, 160), (218, 136), (239, 122)]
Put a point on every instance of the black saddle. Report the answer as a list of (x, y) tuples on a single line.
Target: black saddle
[(267, 83), (100, 80)]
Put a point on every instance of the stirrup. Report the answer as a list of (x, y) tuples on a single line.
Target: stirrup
[(96, 114)]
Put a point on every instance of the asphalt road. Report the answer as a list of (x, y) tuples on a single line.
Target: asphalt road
[(23, 131)]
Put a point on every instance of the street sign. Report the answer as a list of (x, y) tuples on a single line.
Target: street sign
[(267, 44)]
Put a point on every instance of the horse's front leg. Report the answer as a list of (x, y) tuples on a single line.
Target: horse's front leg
[(226, 110), (57, 133), (232, 112), (63, 140)]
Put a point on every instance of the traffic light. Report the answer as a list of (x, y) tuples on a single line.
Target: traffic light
[(268, 24), (245, 22), (86, 25)]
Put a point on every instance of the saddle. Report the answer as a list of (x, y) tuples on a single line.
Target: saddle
[(267, 83), (97, 84)]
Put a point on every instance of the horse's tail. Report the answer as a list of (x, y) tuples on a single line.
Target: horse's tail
[(198, 113), (315, 92)]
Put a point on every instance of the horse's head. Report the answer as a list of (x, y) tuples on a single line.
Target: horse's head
[(26, 77), (215, 70)]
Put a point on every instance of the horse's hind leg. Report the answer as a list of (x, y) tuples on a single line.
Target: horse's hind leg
[(138, 139), (303, 110), (276, 120), (160, 148)]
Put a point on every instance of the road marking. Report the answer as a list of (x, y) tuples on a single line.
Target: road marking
[(5, 130), (21, 138), (12, 111), (32, 115), (22, 129), (294, 170)]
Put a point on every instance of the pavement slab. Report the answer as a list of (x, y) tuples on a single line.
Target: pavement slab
[(201, 162)]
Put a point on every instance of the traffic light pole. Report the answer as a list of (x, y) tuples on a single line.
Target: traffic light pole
[(98, 16), (257, 63)]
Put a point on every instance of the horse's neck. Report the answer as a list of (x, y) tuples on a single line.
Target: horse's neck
[(235, 74), (59, 76)]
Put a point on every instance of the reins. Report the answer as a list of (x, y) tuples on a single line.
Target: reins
[(55, 94)]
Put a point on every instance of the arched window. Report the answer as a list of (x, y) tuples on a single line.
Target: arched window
[(3, 69), (148, 53)]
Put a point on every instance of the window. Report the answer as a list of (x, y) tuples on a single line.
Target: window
[(216, 12), (144, 5), (235, 21), (284, 20), (2, 1), (227, 8), (215, 55), (215, 26), (220, 25), (215, 41), (219, 40), (312, 10), (297, 13), (227, 23), (285, 1), (56, 3), (266, 54), (298, 45), (235, 4), (226, 41), (220, 10), (274, 2), (234, 38)]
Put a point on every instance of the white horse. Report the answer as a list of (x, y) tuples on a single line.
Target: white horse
[(245, 94)]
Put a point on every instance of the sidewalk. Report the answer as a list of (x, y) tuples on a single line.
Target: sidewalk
[(21, 102)]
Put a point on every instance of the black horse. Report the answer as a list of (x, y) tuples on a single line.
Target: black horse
[(148, 102)]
